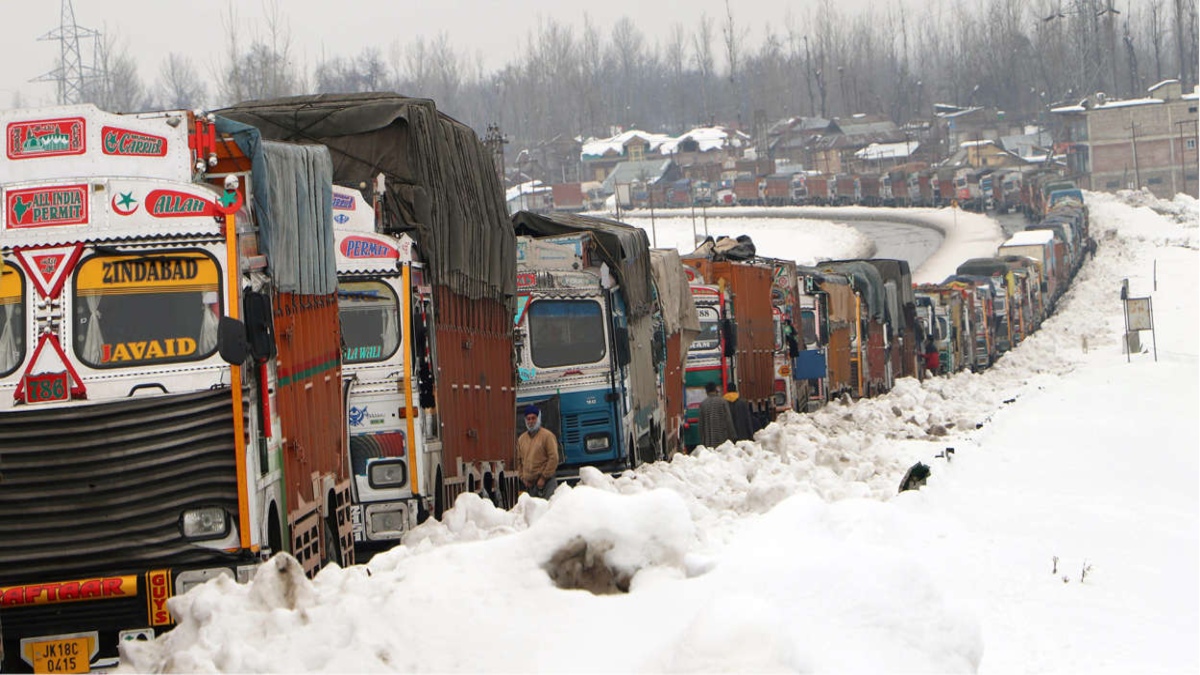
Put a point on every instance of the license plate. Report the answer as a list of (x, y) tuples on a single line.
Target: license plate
[(71, 655)]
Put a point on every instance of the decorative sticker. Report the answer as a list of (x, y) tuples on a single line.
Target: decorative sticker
[(158, 591), (343, 202), (101, 588), (365, 247), (127, 143), (176, 204), (46, 206), (124, 203), (45, 138), (49, 266)]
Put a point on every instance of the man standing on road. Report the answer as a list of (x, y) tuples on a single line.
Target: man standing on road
[(743, 424), (537, 456), (716, 422)]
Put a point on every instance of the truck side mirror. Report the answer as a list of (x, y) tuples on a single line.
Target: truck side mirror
[(260, 326), (729, 332), (231, 341), (621, 347)]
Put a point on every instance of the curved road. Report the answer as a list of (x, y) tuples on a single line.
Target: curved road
[(902, 241)]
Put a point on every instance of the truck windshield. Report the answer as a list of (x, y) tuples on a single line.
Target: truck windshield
[(808, 326), (710, 330), (565, 332), (132, 310), (369, 312), (12, 321)]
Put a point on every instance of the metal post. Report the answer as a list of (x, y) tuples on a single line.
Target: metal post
[(693, 222), (1153, 330), (653, 227), (1125, 308)]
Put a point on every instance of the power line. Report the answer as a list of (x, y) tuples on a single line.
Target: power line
[(72, 75)]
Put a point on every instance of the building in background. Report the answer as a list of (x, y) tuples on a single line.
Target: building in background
[(1147, 142)]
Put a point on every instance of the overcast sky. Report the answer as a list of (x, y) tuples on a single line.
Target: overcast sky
[(150, 29)]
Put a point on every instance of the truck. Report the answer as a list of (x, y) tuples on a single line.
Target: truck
[(903, 339), (431, 178), (777, 189), (710, 357), (385, 307), (746, 192), (844, 322), (587, 349), (872, 346), (1040, 246), (821, 190), (1006, 304), (811, 366), (979, 295), (680, 327), (789, 393), (171, 404), (748, 285), (849, 189), (568, 197)]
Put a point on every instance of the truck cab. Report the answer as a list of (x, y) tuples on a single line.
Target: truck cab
[(385, 308)]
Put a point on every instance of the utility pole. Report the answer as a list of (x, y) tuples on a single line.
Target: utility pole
[(71, 75), (495, 141), (1137, 177), (1183, 163)]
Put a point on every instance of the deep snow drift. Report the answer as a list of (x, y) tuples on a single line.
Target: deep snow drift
[(1059, 536)]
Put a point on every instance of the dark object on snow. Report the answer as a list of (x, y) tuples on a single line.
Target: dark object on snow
[(742, 248), (915, 477)]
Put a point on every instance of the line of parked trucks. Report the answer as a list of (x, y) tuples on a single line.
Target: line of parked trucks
[(305, 325), (1003, 190)]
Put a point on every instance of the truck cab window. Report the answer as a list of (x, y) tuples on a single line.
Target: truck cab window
[(12, 318), (709, 338), (564, 332), (116, 295), (369, 312)]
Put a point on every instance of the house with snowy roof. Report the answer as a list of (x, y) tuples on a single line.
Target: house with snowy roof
[(1145, 142), (833, 150), (601, 155)]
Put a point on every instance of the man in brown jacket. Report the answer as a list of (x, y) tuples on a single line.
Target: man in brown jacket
[(537, 456)]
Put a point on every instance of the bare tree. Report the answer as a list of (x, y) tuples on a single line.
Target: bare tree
[(702, 55), (179, 86), (119, 89)]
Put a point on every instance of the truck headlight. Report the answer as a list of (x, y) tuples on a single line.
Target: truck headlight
[(597, 442), (387, 473), (208, 522)]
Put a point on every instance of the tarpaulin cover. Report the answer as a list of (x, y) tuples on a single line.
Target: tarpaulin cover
[(866, 280), (897, 272), (441, 184), (625, 248), (292, 188), (675, 296)]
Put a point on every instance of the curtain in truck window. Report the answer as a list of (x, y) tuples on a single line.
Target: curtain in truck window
[(136, 310), (12, 319), (709, 337), (565, 332), (370, 313)]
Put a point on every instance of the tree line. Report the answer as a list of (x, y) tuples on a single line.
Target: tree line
[(1019, 56)]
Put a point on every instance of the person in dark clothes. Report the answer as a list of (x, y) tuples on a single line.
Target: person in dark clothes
[(716, 422), (743, 424)]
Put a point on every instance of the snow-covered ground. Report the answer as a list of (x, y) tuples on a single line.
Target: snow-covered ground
[(1060, 536)]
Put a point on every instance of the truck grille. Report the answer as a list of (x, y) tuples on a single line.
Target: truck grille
[(576, 426), (98, 489)]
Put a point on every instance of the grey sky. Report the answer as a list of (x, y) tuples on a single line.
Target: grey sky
[(151, 29)]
